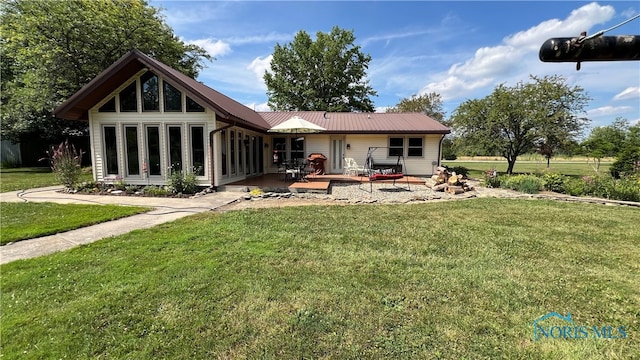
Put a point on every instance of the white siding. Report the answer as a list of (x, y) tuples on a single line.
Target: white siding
[(360, 144), (141, 119)]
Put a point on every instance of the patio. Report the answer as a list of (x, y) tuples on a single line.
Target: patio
[(320, 184)]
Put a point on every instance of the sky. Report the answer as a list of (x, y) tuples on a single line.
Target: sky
[(459, 49)]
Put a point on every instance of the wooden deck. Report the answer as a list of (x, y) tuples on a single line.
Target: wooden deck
[(313, 183)]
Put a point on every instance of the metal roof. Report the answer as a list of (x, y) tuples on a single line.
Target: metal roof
[(233, 112), (78, 105), (345, 122)]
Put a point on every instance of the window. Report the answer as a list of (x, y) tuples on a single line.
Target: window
[(232, 151), (153, 148), (150, 92), (260, 154), (396, 146), (131, 138), (193, 106), (109, 106), (240, 163), (247, 154), (111, 150), (172, 98), (128, 101), (415, 147), (297, 148), (223, 144), (254, 159), (197, 150), (175, 148), (280, 145)]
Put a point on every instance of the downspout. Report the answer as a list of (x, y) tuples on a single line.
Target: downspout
[(440, 148), (212, 154)]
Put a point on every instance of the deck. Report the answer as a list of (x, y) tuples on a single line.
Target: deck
[(320, 184)]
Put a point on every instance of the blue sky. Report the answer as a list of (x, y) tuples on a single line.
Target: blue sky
[(461, 50)]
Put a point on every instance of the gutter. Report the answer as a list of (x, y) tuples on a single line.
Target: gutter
[(440, 148)]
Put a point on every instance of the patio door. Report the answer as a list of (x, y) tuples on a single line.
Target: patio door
[(336, 155)]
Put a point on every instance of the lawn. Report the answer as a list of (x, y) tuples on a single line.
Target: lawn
[(19, 221), (459, 279), (570, 168), (13, 179)]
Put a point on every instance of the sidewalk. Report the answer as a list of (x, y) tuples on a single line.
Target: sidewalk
[(165, 210)]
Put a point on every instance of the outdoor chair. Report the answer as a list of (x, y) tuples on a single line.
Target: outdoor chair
[(352, 168)]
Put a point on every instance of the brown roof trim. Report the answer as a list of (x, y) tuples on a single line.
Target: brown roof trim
[(77, 106)]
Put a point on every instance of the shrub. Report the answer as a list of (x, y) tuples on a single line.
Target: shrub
[(603, 186), (181, 183), (627, 189), (528, 184), (491, 179), (459, 170), (87, 186), (627, 163), (554, 182), (153, 190), (574, 187), (65, 162)]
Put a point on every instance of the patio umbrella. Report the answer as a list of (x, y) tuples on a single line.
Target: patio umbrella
[(297, 125)]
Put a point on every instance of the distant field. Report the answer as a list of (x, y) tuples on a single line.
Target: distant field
[(572, 167)]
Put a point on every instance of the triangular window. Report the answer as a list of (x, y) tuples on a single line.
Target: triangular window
[(109, 106), (193, 106)]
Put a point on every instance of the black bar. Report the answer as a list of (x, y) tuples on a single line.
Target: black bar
[(602, 48)]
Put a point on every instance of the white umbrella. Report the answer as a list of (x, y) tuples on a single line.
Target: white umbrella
[(297, 125)]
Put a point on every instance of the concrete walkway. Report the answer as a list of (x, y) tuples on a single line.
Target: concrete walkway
[(165, 210)]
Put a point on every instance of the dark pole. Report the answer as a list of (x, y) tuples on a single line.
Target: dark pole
[(601, 48)]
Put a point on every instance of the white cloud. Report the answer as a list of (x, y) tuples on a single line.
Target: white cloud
[(259, 65), (607, 111), (260, 39), (215, 48), (258, 107), (628, 93), (515, 58)]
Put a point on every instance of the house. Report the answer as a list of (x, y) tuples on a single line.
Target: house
[(147, 119)]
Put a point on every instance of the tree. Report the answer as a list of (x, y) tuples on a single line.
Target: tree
[(628, 158), (606, 141), (428, 104), (515, 120), (50, 49), (328, 74)]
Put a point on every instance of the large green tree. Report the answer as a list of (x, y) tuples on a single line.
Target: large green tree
[(428, 104), (50, 49), (628, 157), (328, 74), (606, 141), (515, 120)]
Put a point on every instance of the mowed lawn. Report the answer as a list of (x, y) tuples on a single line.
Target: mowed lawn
[(477, 168), (20, 221), (14, 179), (453, 280)]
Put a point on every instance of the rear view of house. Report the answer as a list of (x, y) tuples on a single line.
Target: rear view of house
[(147, 119)]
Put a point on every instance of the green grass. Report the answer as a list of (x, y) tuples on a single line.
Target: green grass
[(28, 178), (569, 168), (19, 221), (454, 280)]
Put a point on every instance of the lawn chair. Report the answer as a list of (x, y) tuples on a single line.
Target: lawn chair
[(352, 168)]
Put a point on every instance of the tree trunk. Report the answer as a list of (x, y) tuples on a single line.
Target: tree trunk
[(511, 163), (548, 158)]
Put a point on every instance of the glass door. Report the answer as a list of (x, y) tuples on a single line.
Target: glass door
[(336, 155)]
